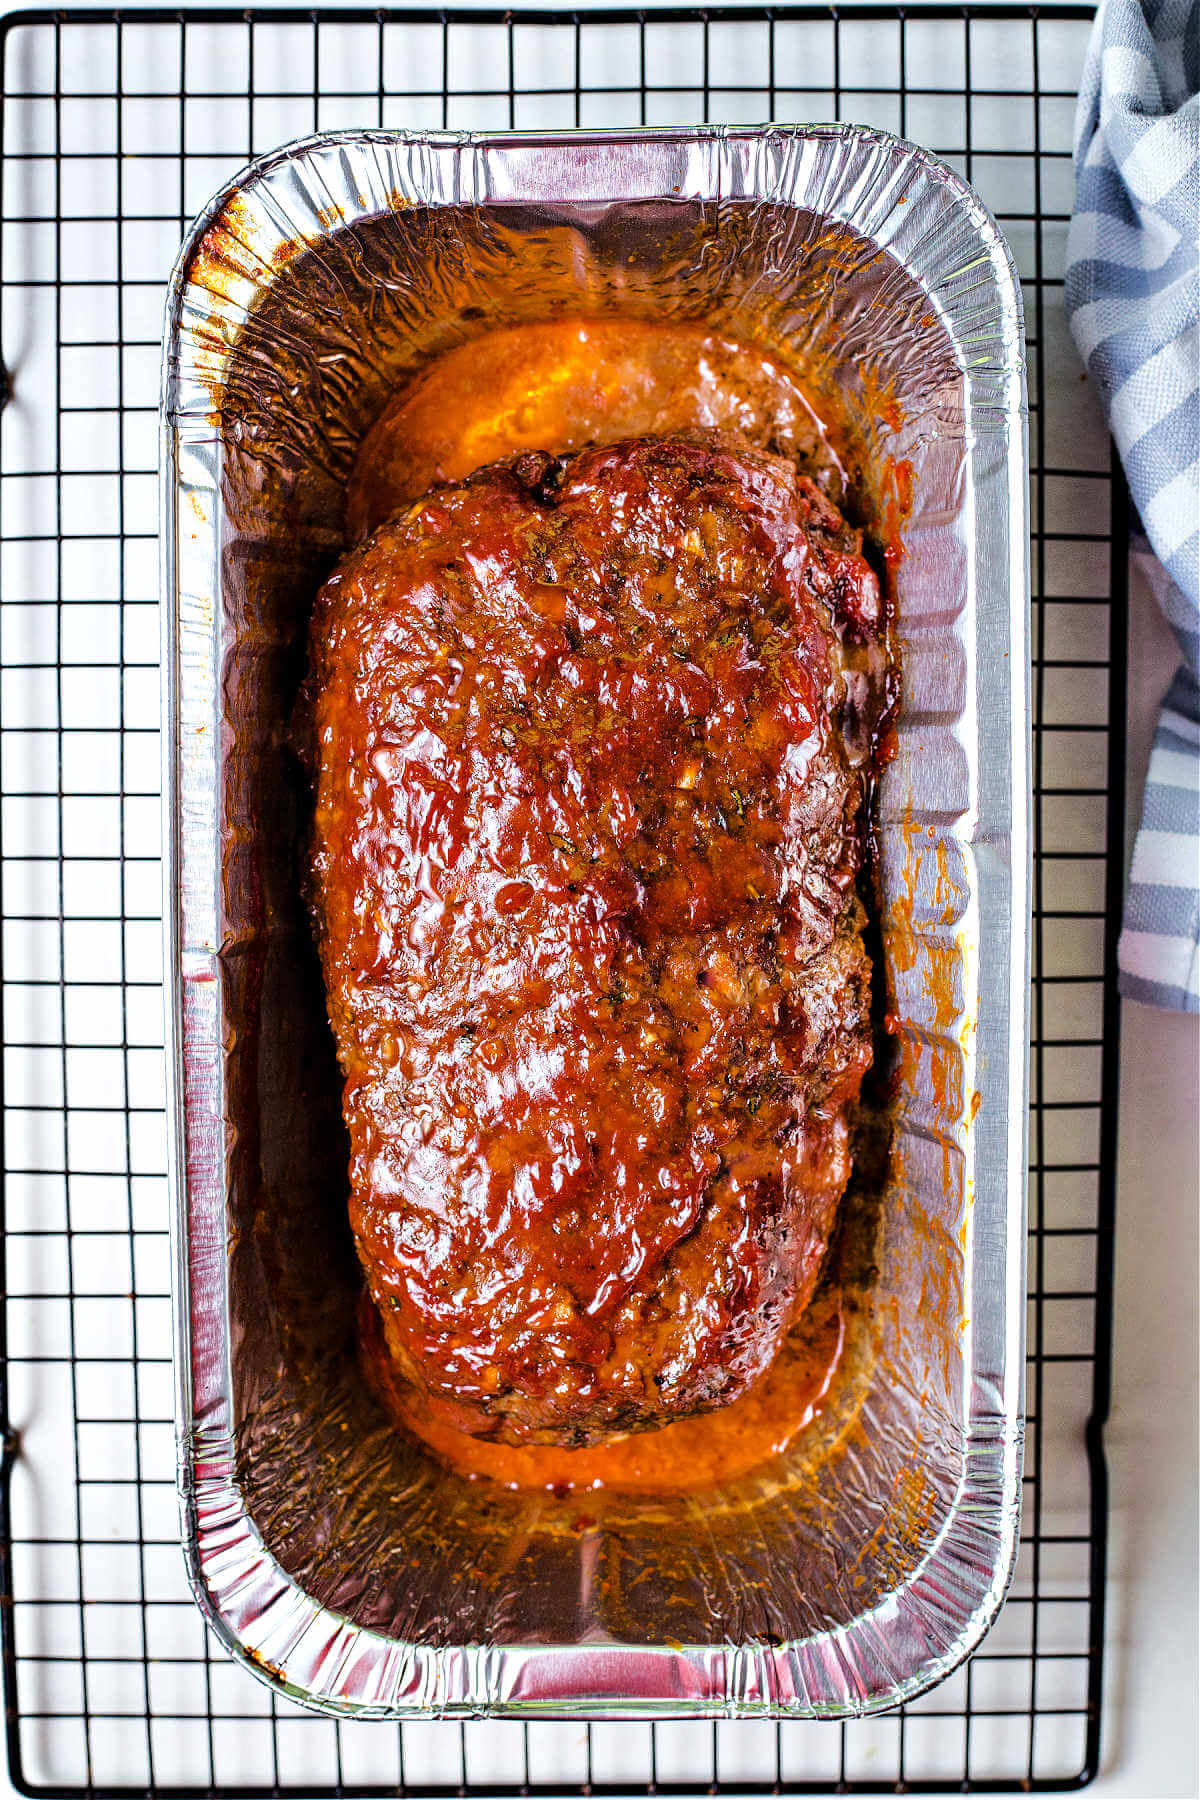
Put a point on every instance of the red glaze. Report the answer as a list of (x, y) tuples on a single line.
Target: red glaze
[(586, 845)]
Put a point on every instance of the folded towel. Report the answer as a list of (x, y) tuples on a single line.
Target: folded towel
[(1133, 300)]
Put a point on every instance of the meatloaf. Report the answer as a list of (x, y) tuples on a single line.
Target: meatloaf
[(586, 843)]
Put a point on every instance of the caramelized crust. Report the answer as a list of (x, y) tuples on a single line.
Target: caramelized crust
[(587, 834)]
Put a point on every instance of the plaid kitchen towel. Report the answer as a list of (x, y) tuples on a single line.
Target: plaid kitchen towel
[(1133, 299)]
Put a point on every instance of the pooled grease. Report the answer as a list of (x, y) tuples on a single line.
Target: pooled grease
[(692, 1453), (566, 383)]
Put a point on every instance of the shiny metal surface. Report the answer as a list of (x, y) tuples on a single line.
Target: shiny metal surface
[(337, 1563)]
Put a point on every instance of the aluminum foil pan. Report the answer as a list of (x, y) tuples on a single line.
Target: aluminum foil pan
[(334, 1558)]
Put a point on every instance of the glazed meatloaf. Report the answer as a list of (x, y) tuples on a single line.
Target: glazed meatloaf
[(587, 835)]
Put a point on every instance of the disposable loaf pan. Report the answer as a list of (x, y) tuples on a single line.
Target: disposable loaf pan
[(863, 1564)]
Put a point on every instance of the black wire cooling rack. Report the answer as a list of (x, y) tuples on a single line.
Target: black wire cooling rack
[(117, 126)]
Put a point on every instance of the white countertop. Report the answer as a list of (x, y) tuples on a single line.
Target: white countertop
[(1149, 1749), (1150, 1742)]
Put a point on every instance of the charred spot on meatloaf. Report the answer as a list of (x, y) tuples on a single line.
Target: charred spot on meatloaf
[(586, 840)]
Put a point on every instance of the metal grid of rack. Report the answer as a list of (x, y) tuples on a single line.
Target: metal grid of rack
[(116, 128)]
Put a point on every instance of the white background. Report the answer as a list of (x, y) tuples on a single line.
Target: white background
[(1151, 1743), (1150, 1747)]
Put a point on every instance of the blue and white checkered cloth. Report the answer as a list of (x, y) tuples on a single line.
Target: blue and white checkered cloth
[(1133, 299)]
